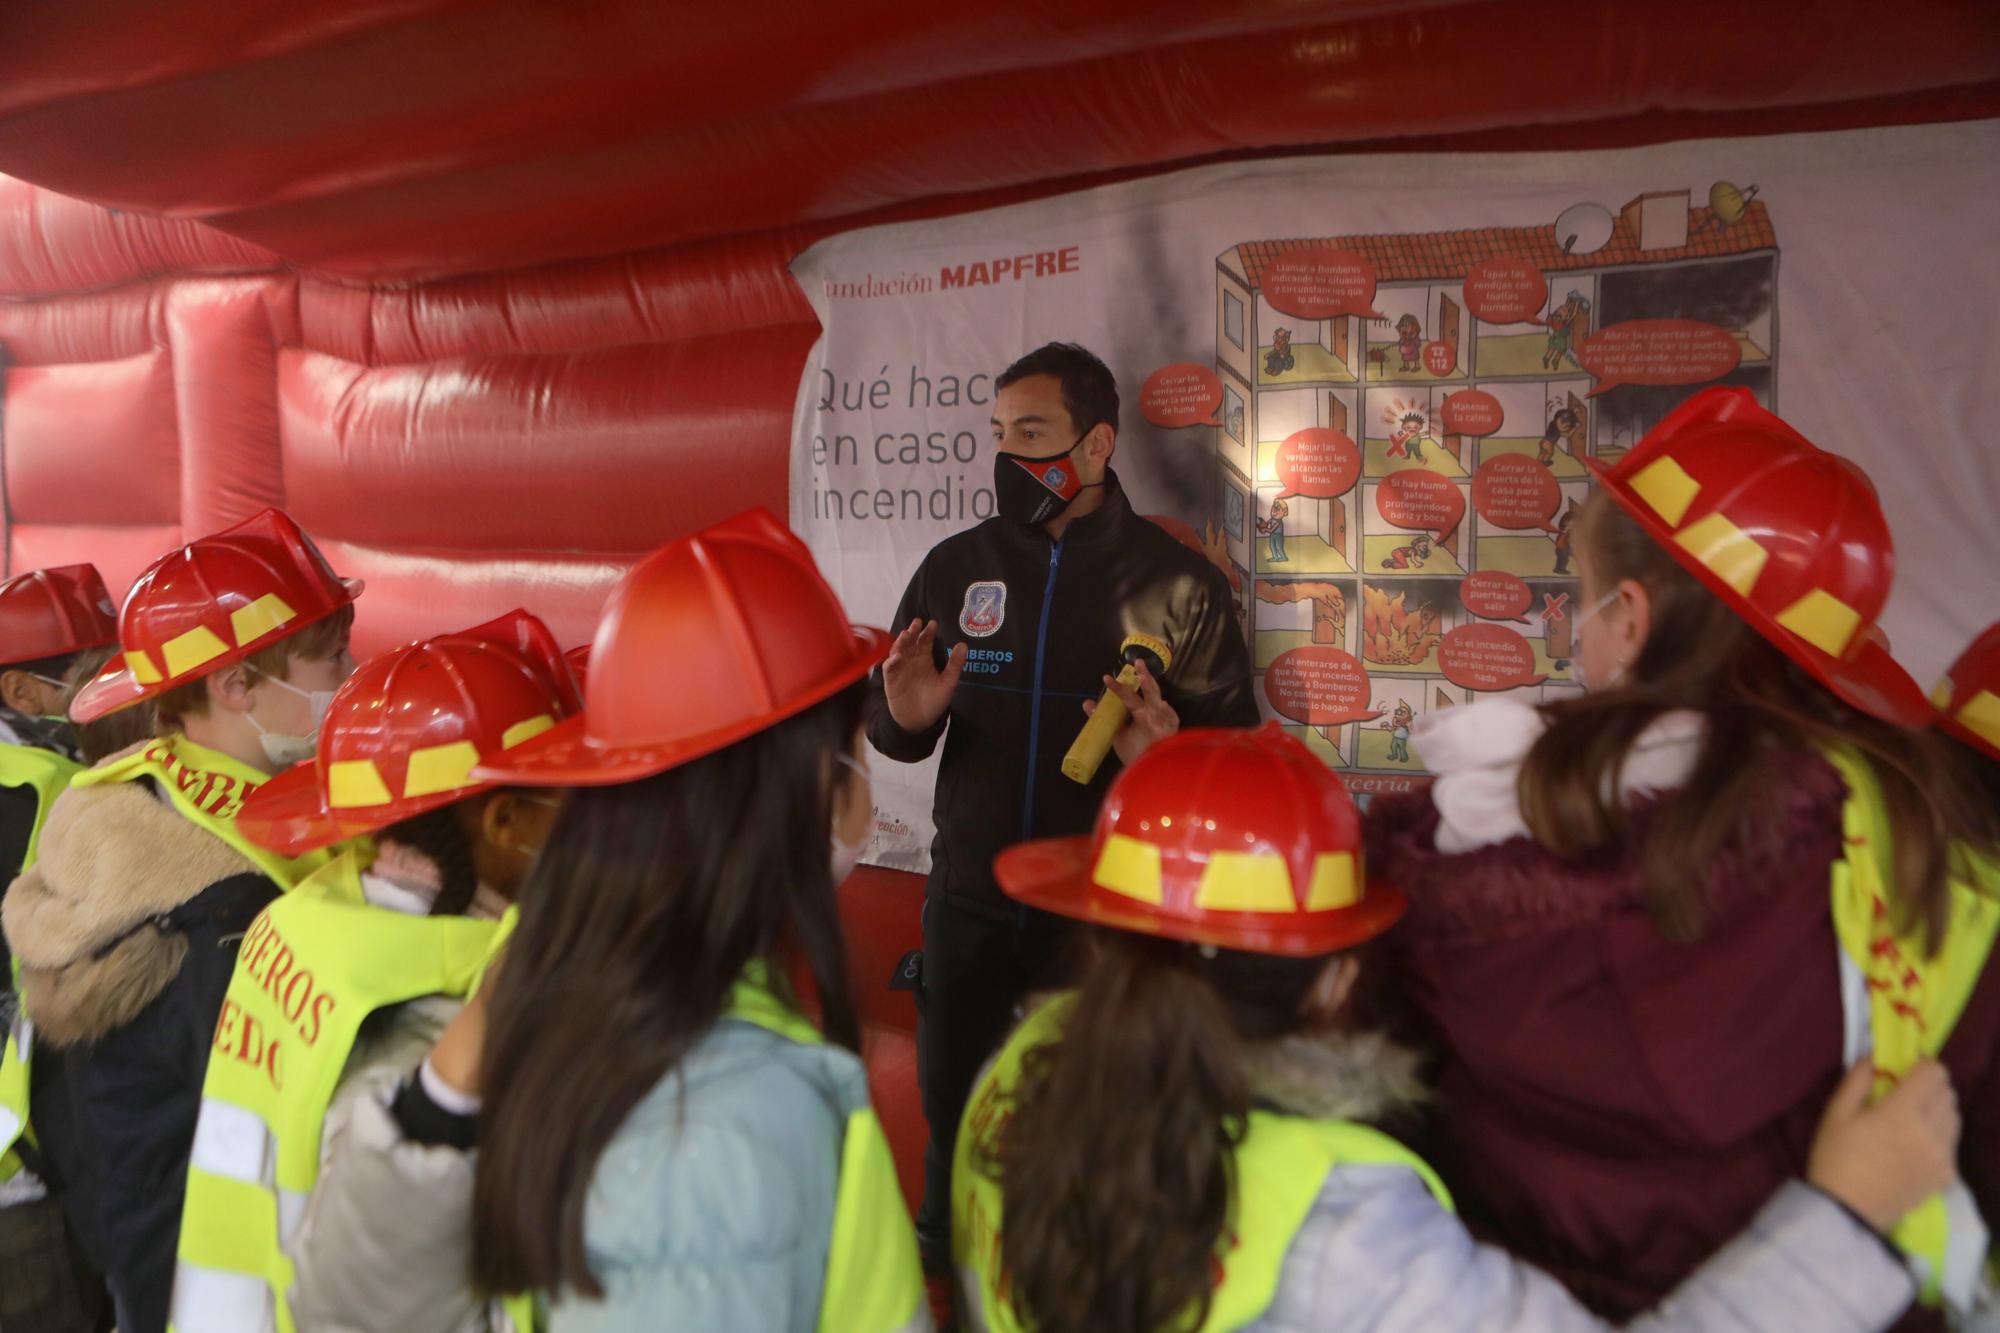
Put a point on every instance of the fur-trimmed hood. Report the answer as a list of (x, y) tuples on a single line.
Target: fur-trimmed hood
[(110, 857), (1337, 1076)]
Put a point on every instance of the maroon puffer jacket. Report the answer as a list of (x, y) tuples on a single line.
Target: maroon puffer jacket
[(1614, 1106)]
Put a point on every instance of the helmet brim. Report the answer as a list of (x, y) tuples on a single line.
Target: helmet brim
[(1053, 875), (567, 755)]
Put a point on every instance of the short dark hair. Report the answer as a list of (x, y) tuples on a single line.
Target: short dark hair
[(1089, 392)]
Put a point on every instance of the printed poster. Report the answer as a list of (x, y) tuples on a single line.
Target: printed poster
[(1371, 391)]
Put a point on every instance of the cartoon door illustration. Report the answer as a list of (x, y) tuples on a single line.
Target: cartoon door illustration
[(1336, 412), (1336, 338), (1334, 513), (1582, 432), (1448, 327)]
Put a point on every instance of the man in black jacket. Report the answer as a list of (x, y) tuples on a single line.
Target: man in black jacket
[(1008, 632)]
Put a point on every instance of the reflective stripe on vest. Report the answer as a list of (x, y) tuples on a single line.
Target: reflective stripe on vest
[(207, 787), (1901, 1003), (874, 1279), (48, 773), (14, 1092), (1281, 1165), (312, 966)]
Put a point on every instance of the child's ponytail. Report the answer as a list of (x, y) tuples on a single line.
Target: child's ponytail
[(1117, 1162)]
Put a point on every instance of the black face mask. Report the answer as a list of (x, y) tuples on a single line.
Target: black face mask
[(1031, 491)]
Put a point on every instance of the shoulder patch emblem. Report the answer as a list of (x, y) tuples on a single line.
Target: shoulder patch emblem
[(985, 609)]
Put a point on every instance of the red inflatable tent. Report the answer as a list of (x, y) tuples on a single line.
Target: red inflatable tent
[(491, 294)]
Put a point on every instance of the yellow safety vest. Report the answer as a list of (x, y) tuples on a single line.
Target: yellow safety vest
[(1280, 1167), (48, 773), (313, 965), (874, 1279), (1913, 1001), (208, 787)]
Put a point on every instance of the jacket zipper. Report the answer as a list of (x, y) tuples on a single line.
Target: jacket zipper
[(1035, 694)]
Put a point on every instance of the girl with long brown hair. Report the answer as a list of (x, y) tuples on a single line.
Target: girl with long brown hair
[(1183, 1141), (1650, 925), (670, 1109)]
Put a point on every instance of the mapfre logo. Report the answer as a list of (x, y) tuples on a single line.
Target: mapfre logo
[(984, 610)]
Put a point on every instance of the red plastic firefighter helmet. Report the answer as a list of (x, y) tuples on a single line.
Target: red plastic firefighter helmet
[(708, 640), (212, 603), (1238, 839), (1968, 698), (579, 664), (1789, 535), (55, 612), (404, 731)]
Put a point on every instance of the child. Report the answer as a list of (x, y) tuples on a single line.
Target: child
[(1408, 439), (390, 947), (666, 1140), (1184, 1142), (48, 618), (127, 926), (1649, 926)]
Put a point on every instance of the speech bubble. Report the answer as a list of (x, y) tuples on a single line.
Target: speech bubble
[(1487, 657), (1440, 357), (1471, 412), (1658, 351), (1183, 394), (1496, 595), (1319, 462), (1514, 491), (1320, 283), (1420, 500), (1506, 290), (1321, 687)]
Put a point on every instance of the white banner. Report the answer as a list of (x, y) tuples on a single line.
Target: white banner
[(1366, 387)]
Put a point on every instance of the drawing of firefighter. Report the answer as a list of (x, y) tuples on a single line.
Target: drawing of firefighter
[(1274, 528)]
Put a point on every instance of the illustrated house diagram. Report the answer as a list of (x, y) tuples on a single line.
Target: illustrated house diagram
[(1374, 589)]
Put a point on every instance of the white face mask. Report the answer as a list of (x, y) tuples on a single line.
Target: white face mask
[(284, 751), (1583, 618), (847, 856)]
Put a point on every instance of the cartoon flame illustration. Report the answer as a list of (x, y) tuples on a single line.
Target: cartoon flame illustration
[(1391, 633)]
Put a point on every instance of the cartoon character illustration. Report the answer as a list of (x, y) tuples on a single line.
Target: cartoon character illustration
[(1409, 340), (1408, 439), (1561, 425), (1274, 528), (1564, 321), (1398, 727), (1279, 359), (1562, 537), (1236, 422), (1411, 556)]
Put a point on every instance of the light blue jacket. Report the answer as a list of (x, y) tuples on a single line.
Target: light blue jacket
[(712, 1206)]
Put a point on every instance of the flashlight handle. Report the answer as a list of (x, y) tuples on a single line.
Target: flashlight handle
[(1087, 752)]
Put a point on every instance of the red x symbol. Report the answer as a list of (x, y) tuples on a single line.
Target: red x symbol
[(1552, 606)]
